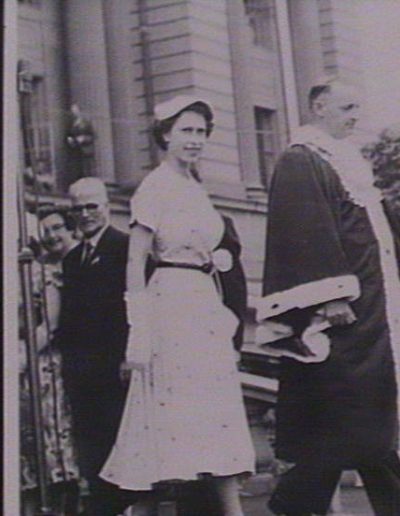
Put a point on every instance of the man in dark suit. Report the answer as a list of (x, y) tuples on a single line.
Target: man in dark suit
[(92, 337)]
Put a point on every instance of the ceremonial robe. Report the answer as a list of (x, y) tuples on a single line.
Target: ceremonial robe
[(321, 246)]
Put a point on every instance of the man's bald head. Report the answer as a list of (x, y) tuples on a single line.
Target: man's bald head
[(334, 107)]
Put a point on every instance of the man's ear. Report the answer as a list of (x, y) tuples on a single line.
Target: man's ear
[(167, 137)]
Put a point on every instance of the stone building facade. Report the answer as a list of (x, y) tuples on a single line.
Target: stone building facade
[(114, 59), (253, 59)]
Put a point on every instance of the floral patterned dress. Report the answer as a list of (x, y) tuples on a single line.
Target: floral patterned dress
[(59, 447)]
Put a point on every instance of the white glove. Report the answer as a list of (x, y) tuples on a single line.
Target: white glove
[(138, 350)]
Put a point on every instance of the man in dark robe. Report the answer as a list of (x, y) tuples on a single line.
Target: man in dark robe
[(330, 258)]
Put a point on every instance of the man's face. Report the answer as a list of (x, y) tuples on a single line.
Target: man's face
[(56, 238), (339, 110), (90, 211), (187, 137)]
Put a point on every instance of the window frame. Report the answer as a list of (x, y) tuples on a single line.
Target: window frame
[(39, 131), (267, 131)]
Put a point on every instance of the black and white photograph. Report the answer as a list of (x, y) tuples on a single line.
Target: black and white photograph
[(201, 257)]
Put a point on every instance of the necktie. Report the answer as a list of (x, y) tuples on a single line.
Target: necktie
[(88, 251)]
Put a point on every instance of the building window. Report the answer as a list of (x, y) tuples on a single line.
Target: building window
[(38, 133), (267, 142), (261, 16)]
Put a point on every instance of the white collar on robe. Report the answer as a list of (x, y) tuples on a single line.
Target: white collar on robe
[(94, 240), (354, 171)]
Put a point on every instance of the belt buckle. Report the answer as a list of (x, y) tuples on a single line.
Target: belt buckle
[(207, 267)]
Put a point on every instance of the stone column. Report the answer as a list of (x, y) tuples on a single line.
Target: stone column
[(88, 75), (121, 81), (306, 48)]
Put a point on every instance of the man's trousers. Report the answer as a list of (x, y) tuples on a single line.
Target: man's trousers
[(309, 486)]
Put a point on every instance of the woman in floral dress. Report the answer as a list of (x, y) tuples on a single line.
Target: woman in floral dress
[(62, 470)]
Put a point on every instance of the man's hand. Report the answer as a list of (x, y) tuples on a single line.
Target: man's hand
[(125, 371), (126, 368), (338, 313)]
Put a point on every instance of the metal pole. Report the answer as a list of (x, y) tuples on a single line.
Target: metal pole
[(25, 260)]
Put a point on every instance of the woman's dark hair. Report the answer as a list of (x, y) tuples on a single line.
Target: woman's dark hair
[(162, 127), (63, 212), (317, 91)]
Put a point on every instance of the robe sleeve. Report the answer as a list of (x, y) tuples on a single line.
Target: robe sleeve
[(305, 263)]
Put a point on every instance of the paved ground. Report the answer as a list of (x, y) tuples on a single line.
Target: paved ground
[(354, 501)]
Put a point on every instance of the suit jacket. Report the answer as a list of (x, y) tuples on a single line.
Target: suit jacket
[(93, 327)]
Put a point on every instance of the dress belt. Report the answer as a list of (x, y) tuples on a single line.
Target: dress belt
[(207, 268)]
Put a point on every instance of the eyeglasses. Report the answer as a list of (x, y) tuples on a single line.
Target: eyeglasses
[(90, 207)]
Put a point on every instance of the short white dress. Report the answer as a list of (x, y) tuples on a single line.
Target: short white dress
[(184, 416)]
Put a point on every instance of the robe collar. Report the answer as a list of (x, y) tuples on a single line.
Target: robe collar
[(345, 158)]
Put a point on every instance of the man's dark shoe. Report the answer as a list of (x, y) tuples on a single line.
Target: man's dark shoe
[(277, 507)]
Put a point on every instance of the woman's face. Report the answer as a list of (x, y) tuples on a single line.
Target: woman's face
[(187, 137), (56, 238)]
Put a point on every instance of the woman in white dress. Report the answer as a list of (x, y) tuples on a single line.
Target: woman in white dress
[(184, 414)]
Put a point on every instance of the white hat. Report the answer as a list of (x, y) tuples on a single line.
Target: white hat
[(175, 105)]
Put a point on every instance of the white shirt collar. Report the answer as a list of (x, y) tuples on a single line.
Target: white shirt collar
[(94, 240)]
